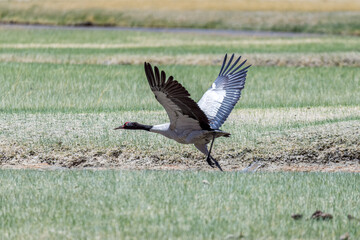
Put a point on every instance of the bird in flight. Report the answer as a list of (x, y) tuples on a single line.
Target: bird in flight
[(191, 122)]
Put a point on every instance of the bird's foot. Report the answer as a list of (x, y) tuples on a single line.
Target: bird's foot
[(208, 159), (216, 163)]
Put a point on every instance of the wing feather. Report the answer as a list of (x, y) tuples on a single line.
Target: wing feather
[(182, 110), (220, 99)]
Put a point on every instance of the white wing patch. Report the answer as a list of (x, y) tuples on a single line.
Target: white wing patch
[(220, 99), (211, 101)]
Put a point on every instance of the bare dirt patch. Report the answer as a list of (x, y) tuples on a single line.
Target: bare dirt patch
[(329, 148)]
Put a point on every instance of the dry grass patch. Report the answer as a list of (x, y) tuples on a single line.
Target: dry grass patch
[(81, 14), (232, 5), (283, 116), (173, 42), (351, 59), (280, 138)]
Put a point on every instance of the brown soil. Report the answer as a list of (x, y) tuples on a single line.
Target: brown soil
[(304, 150), (332, 160)]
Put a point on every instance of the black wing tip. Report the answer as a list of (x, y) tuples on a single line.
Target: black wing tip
[(147, 67), (149, 74), (157, 72), (246, 68), (155, 76), (227, 70)]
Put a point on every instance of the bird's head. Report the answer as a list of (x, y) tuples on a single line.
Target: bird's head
[(133, 126), (127, 125)]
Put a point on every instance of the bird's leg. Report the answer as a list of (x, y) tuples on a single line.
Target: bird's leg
[(209, 158)]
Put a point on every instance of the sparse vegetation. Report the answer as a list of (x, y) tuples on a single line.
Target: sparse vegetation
[(277, 137)]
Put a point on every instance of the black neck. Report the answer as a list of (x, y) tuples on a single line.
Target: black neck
[(138, 126), (145, 127)]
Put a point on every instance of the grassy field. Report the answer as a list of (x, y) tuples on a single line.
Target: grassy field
[(77, 71), (320, 16), (63, 91), (79, 88), (131, 47), (177, 205)]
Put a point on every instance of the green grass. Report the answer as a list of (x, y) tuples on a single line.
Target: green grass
[(78, 88), (48, 98), (173, 43), (182, 50), (89, 94), (175, 205), (64, 113), (102, 47)]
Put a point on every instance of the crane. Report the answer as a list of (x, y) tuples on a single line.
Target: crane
[(191, 122)]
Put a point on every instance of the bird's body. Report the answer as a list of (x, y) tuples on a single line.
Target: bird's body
[(187, 135), (191, 122)]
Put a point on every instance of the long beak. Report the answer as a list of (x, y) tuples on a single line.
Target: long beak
[(120, 127)]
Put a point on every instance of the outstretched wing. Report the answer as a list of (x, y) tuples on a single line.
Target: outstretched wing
[(183, 112), (220, 99)]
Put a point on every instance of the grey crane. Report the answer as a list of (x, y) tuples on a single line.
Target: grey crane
[(191, 122)]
